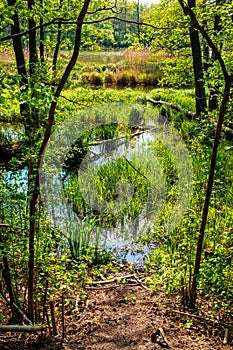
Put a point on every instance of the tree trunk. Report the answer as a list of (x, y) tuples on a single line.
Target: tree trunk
[(198, 68), (228, 79), (19, 56), (213, 97), (6, 275), (32, 41), (42, 57), (225, 100), (58, 43), (138, 20)]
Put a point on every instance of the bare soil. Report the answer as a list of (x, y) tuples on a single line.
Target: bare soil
[(124, 316)]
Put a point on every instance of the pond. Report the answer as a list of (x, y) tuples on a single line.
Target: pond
[(108, 176), (115, 169), (101, 57)]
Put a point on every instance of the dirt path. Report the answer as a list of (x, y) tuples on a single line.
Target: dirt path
[(127, 317), (116, 316)]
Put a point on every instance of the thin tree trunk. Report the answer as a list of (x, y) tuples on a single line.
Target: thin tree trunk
[(19, 56), (33, 189), (32, 41), (30, 126), (6, 275), (225, 100), (226, 96), (35, 192), (138, 20), (197, 67), (42, 37), (213, 97), (58, 43)]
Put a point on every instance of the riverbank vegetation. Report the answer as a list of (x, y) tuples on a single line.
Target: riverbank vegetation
[(182, 54)]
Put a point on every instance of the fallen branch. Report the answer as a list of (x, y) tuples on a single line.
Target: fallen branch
[(173, 106), (24, 317), (142, 284), (139, 282), (202, 318), (137, 133), (19, 328), (227, 131), (106, 287), (113, 279), (225, 340), (135, 168)]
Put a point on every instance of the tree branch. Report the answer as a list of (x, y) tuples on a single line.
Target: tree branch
[(128, 21), (12, 36), (101, 9), (69, 21)]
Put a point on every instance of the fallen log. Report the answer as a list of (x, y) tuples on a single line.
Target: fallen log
[(225, 129), (20, 328), (173, 106)]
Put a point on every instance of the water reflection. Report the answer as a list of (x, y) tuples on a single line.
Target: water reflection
[(11, 132)]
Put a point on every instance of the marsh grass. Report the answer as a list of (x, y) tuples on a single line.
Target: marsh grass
[(132, 67)]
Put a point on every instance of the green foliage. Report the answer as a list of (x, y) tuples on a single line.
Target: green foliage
[(176, 72), (174, 254)]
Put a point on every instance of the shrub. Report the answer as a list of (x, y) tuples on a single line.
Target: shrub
[(96, 79), (85, 78), (110, 78)]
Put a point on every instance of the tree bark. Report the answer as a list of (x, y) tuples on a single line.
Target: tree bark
[(197, 67), (42, 37), (32, 40), (213, 96), (6, 275), (19, 56), (223, 107), (58, 42)]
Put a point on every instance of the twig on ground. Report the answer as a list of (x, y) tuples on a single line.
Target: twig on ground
[(110, 287), (139, 282), (142, 284), (225, 340), (205, 319), (113, 279)]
